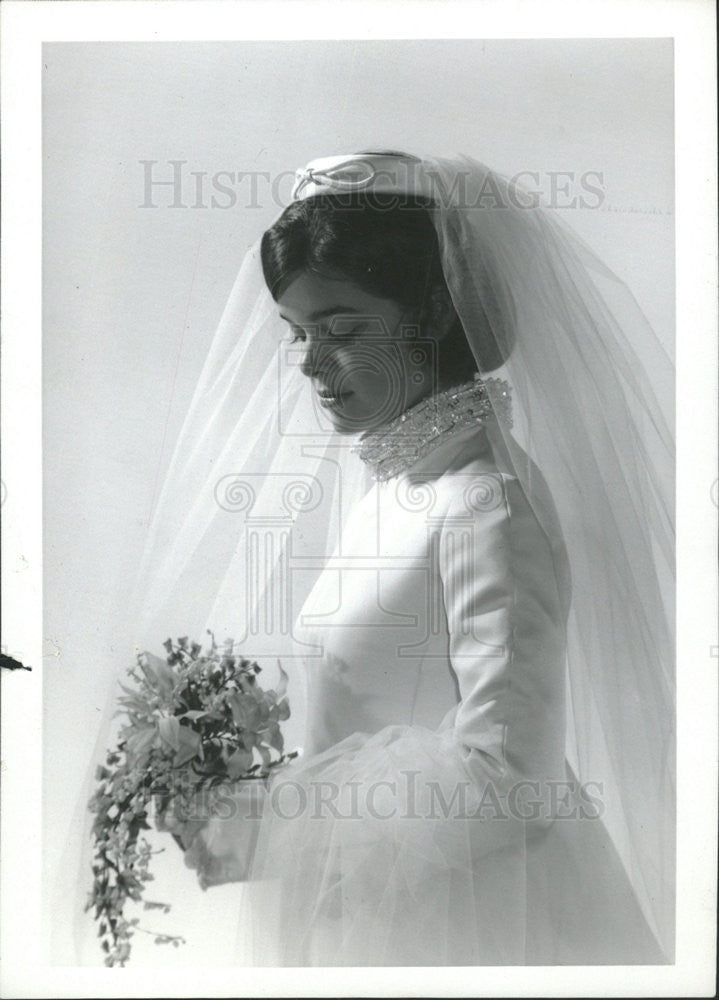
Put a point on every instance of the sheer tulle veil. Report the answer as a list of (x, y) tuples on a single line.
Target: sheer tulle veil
[(256, 493)]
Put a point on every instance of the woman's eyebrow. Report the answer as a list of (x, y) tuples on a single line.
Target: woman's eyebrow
[(323, 313)]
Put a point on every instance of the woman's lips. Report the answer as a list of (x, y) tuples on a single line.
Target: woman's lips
[(330, 399)]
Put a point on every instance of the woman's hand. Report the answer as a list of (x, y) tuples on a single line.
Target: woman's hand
[(220, 847), (184, 829)]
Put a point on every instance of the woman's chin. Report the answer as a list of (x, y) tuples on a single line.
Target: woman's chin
[(346, 419), (344, 424)]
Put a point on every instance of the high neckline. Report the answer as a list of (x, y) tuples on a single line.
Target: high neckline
[(397, 446)]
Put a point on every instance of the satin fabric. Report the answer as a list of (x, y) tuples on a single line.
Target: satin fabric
[(433, 818)]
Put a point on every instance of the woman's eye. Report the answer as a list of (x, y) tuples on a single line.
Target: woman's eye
[(345, 330), (336, 330)]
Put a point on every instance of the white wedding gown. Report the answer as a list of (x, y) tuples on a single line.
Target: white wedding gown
[(433, 819)]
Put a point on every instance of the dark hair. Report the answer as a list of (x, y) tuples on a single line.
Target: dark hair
[(389, 250)]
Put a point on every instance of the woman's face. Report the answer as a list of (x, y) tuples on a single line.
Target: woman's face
[(360, 351)]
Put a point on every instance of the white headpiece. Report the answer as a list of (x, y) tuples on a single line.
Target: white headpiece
[(380, 173)]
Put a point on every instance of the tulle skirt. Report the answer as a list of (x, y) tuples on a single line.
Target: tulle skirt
[(402, 849)]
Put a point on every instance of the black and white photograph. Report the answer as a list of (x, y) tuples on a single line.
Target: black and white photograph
[(369, 523)]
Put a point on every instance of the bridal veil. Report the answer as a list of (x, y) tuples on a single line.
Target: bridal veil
[(259, 485)]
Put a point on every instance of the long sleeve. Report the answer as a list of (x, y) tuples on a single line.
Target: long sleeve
[(502, 581)]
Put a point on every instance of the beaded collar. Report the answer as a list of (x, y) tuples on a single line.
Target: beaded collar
[(394, 448)]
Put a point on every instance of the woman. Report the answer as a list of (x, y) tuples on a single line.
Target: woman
[(487, 771)]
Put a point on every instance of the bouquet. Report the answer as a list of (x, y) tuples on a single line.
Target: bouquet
[(193, 723)]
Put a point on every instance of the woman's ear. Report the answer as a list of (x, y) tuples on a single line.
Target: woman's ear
[(439, 312)]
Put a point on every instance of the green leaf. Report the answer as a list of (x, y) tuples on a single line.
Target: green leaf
[(141, 739), (189, 745), (241, 710), (169, 730), (158, 674), (276, 740), (284, 680), (239, 764)]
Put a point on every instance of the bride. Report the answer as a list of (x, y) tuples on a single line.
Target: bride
[(452, 484)]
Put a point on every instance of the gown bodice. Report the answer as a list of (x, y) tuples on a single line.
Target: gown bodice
[(442, 603)]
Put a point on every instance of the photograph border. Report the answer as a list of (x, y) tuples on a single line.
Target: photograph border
[(26, 25)]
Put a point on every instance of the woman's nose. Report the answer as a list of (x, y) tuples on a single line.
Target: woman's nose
[(309, 363), (306, 359)]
